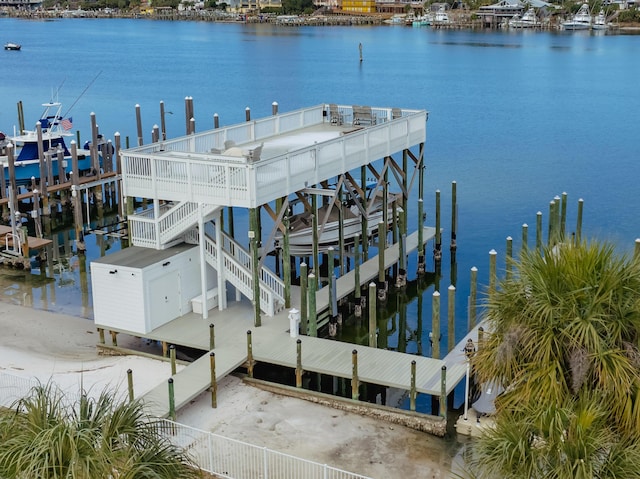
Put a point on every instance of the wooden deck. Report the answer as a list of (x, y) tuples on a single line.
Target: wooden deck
[(34, 243)]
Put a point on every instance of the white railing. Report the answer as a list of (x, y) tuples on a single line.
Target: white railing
[(150, 232), (235, 459), (219, 455), (186, 169)]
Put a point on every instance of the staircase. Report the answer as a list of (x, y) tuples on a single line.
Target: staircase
[(236, 262), (166, 230)]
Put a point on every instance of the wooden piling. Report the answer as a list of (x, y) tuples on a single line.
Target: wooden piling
[(172, 400), (313, 313), (139, 125), (579, 221), (155, 134), (299, 363), (274, 108), (525, 237), (454, 215), (538, 230), (216, 121), (249, 354), (636, 251), (412, 391), (382, 245), (355, 383), (492, 271), (364, 221), (437, 252), (212, 337), (551, 225), (421, 267), (172, 357), (304, 316), (473, 298), (247, 114), (332, 287), (443, 392), (214, 381), (255, 263), (373, 316), (356, 267), (451, 316), (286, 266), (163, 124), (509, 257), (563, 215), (435, 325), (130, 384)]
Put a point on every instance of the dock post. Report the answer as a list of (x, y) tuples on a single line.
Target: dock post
[(332, 286), (130, 384), (509, 257), (163, 125), (249, 354), (412, 393), (356, 268), (437, 252), (341, 260), (492, 271), (214, 381), (212, 337), (551, 235), (373, 316), (443, 392), (101, 335), (274, 108), (247, 114), (525, 237), (192, 126), (538, 230), (556, 220), (480, 336), (421, 263), (563, 215), (216, 121), (172, 401), (165, 349), (299, 363), (382, 274), (255, 273), (114, 338), (454, 215), (451, 316), (172, 357), (314, 236), (286, 265), (364, 221), (138, 125), (636, 250), (313, 313), (473, 297), (355, 383), (579, 221), (434, 337), (304, 316), (155, 134)]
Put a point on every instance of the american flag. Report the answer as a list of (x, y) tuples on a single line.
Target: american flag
[(67, 123)]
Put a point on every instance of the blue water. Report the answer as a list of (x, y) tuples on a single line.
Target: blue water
[(516, 118)]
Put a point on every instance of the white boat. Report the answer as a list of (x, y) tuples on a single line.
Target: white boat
[(528, 20), (422, 21), (580, 21), (600, 21), (301, 225), (12, 46), (441, 17), (399, 19)]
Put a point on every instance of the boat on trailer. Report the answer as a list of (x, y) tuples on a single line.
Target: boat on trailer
[(26, 151)]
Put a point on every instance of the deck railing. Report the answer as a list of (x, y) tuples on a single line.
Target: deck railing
[(193, 168), (219, 455)]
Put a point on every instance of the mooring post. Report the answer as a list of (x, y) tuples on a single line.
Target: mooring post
[(435, 326), (286, 265), (192, 126), (249, 354), (356, 267), (421, 262), (130, 384), (331, 285), (274, 108), (313, 313), (298, 363), (138, 124), (563, 215), (216, 121), (451, 310), (480, 336), (355, 383), (255, 263), (187, 115), (172, 357), (155, 134), (443, 392), (509, 257), (247, 114), (636, 251), (492, 271), (538, 230), (551, 225), (382, 274), (437, 252), (579, 221), (214, 381), (473, 297), (412, 393), (454, 215), (373, 319), (172, 401), (525, 237), (304, 315), (163, 125)]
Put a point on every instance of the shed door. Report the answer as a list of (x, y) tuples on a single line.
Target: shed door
[(165, 298)]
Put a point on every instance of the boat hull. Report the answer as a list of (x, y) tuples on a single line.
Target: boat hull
[(25, 170)]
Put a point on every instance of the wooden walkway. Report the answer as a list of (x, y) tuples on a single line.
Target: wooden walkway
[(33, 242), (272, 344)]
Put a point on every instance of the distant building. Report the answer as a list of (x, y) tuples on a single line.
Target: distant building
[(503, 11), (21, 4), (359, 6)]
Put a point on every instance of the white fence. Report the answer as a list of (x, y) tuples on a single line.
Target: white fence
[(213, 453)]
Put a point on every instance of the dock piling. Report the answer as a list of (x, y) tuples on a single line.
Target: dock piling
[(304, 315), (539, 230), (249, 354), (437, 251), (454, 216), (172, 357), (138, 125), (579, 221), (313, 313), (412, 393), (214, 382), (216, 121), (509, 257), (525, 237), (355, 383), (434, 337), (172, 400), (443, 392), (247, 114), (212, 337), (451, 316), (493, 277), (421, 262), (373, 316), (299, 363), (473, 297), (130, 384), (274, 108)]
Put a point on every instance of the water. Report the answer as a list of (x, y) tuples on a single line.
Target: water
[(516, 118)]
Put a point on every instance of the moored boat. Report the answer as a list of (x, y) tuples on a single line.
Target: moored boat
[(528, 20), (422, 21), (12, 46), (600, 21), (580, 21), (26, 150)]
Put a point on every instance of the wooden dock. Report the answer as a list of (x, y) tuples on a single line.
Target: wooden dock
[(33, 242)]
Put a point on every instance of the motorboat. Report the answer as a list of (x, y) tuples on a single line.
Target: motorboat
[(301, 224), (580, 21), (26, 153), (528, 20), (399, 19), (422, 21), (600, 21), (441, 17), (12, 46)]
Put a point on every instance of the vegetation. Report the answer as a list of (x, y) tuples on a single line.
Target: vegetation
[(563, 341), (45, 436)]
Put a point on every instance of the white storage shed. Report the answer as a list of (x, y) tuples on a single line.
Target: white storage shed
[(140, 289)]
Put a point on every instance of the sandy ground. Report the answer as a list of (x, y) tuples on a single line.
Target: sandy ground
[(48, 346)]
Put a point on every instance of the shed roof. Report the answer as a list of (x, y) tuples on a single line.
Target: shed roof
[(136, 257)]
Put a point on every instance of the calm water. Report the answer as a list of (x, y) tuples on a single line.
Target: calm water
[(515, 118)]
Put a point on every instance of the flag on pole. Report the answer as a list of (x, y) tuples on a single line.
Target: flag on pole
[(67, 123)]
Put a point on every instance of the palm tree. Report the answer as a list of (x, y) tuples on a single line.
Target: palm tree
[(46, 436)]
